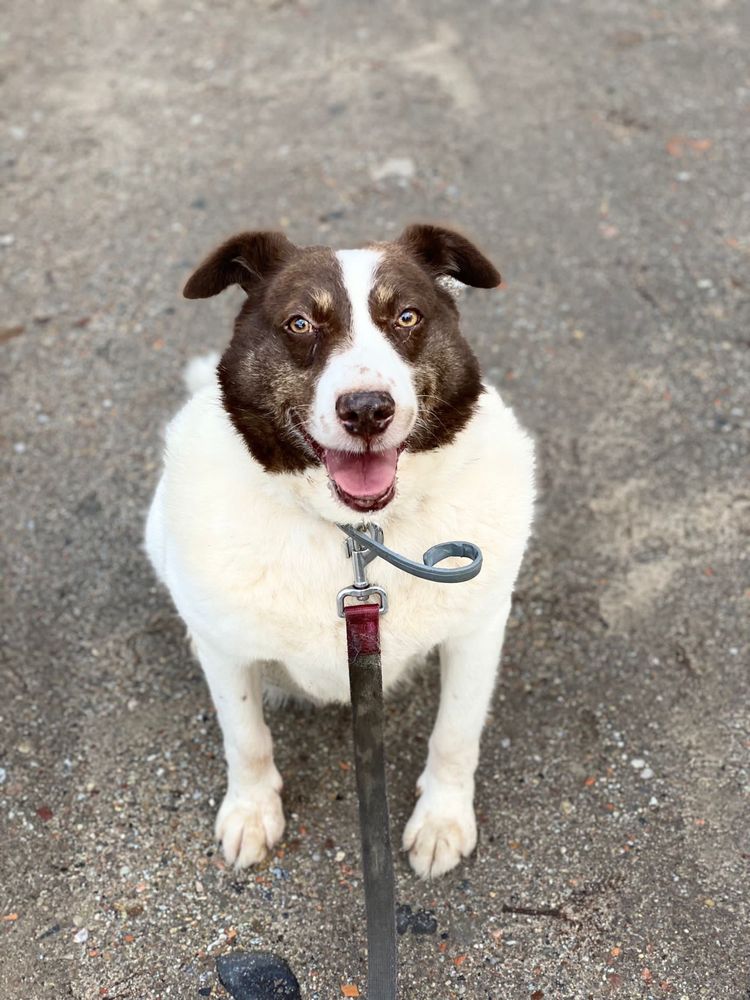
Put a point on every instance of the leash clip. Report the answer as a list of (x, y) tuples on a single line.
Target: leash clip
[(361, 555)]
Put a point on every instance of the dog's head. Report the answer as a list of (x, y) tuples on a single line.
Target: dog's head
[(347, 358)]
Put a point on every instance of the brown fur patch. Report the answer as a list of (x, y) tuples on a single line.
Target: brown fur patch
[(446, 372), (322, 299), (268, 400)]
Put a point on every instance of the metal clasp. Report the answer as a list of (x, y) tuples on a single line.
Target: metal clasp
[(361, 590)]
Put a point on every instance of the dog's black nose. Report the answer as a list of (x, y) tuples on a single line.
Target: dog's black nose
[(365, 414)]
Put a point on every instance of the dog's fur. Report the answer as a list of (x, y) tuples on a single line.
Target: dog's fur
[(242, 528)]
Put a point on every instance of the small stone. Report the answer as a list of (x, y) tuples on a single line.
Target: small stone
[(402, 167), (339, 856), (82, 936), (19, 448), (647, 773), (50, 932), (3, 775), (24, 747), (424, 922), (257, 975), (403, 918), (638, 763)]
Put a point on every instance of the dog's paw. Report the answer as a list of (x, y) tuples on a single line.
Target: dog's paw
[(247, 828), (441, 831)]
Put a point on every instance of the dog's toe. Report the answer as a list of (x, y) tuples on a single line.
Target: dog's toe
[(248, 828), (439, 834)]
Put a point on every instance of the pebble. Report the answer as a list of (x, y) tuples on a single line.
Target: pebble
[(638, 763), (424, 922), (82, 936), (396, 166), (647, 773), (421, 922), (257, 975), (403, 918), (3, 775)]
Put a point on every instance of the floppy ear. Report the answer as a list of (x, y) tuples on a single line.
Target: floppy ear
[(444, 252), (243, 260)]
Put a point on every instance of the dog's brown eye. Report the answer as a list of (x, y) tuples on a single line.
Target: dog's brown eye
[(298, 324), (408, 319)]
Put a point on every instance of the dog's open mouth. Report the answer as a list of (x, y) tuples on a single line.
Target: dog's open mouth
[(364, 480)]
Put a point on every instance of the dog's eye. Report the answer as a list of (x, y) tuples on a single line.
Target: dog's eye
[(298, 324), (408, 319)]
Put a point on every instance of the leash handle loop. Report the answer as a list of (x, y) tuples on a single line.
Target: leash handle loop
[(428, 568)]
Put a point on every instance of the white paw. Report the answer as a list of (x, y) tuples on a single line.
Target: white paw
[(442, 829), (248, 827)]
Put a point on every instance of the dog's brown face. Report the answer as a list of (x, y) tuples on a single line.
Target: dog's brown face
[(347, 358)]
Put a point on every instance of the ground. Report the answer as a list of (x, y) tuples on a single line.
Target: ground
[(598, 151)]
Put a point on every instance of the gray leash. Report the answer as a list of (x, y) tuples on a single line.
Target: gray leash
[(366, 685), (428, 568)]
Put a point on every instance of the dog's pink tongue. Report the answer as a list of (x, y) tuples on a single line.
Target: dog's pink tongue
[(362, 474)]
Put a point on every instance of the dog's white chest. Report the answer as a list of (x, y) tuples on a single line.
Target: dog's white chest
[(271, 597), (255, 572)]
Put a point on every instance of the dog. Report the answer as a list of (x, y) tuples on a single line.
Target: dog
[(347, 394)]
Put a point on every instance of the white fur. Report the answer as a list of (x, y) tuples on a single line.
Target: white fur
[(254, 561), (367, 362), (200, 371)]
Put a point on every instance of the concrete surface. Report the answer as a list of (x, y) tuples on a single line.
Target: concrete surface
[(599, 150)]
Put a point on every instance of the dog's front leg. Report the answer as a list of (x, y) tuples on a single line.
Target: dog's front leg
[(442, 827), (251, 818)]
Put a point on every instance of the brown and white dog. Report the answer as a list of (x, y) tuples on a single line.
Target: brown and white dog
[(347, 392)]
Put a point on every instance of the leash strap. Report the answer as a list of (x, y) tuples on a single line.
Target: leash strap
[(366, 685), (371, 539)]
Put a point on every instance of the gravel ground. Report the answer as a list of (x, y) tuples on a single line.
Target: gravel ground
[(599, 151)]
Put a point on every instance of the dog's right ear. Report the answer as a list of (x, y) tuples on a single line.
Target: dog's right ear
[(245, 259)]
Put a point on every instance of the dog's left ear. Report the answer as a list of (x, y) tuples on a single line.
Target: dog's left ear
[(446, 253), (244, 260)]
